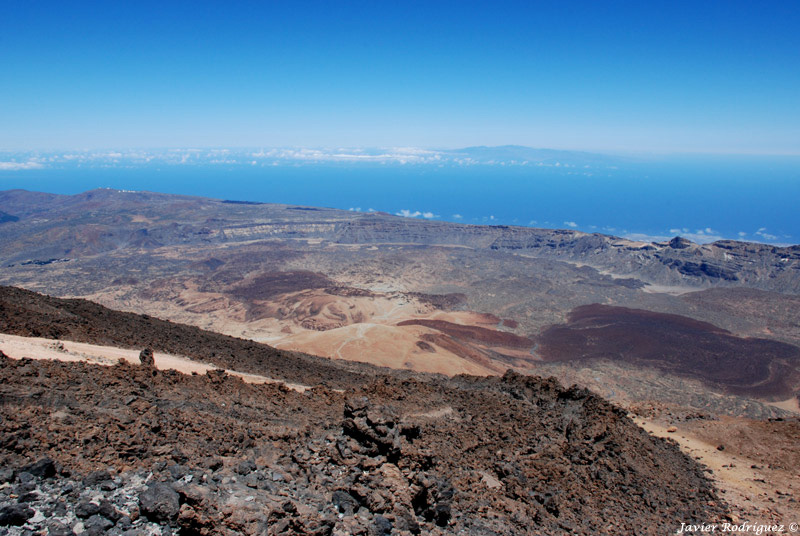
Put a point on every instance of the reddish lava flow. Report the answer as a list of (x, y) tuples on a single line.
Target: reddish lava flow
[(473, 333), (677, 345)]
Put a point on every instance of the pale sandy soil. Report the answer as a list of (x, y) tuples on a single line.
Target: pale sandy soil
[(758, 492), (354, 328), (674, 290), (382, 345), (389, 244), (38, 348), (381, 342), (792, 404)]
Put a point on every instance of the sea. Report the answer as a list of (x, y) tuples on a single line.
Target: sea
[(704, 198)]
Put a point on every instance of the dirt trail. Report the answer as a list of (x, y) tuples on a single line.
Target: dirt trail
[(18, 347), (760, 492), (361, 329)]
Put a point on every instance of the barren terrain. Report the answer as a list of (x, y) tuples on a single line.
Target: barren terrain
[(376, 288), (758, 476), (663, 330), (678, 345), (394, 452)]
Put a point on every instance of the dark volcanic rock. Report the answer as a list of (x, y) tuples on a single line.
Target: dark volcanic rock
[(375, 429), (98, 523), (96, 477), (7, 474), (15, 514), (160, 503), (86, 509), (146, 358), (344, 502), (381, 526), (245, 467), (43, 468)]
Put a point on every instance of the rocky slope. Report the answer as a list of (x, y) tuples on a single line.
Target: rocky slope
[(131, 450), (34, 315)]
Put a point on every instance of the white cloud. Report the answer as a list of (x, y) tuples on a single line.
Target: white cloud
[(570, 224), (457, 216), (408, 214), (14, 166), (762, 232), (401, 155), (292, 156), (702, 236), (416, 214)]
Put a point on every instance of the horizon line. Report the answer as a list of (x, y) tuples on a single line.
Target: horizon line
[(432, 148)]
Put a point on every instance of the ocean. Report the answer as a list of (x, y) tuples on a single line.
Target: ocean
[(703, 198)]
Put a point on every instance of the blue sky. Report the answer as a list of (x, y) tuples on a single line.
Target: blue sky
[(602, 76)]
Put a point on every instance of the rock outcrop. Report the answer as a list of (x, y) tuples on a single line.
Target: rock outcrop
[(146, 358)]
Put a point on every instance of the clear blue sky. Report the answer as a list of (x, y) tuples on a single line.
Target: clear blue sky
[(721, 76)]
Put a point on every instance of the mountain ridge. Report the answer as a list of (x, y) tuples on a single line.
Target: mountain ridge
[(663, 262)]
